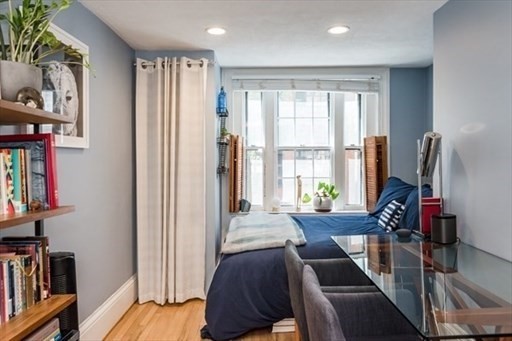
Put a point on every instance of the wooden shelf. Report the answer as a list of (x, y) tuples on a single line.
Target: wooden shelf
[(28, 321), (10, 220), (14, 114)]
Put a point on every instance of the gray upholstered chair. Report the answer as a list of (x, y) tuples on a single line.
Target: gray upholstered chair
[(351, 316), (335, 275)]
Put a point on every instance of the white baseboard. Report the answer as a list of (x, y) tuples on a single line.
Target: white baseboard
[(103, 319)]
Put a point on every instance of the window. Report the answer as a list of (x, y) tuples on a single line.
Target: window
[(309, 122), (314, 134)]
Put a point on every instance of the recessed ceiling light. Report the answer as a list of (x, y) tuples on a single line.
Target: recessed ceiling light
[(216, 31), (338, 29)]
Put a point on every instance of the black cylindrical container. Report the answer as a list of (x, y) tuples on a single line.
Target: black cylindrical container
[(63, 281), (444, 228)]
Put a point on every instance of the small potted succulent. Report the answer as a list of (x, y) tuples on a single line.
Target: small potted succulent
[(323, 198), (29, 42)]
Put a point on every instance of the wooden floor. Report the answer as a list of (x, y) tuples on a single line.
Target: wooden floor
[(150, 321)]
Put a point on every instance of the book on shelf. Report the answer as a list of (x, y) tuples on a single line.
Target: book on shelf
[(44, 243), (48, 331), (40, 156), (35, 250)]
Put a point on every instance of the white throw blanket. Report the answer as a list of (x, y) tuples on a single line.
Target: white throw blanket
[(261, 231)]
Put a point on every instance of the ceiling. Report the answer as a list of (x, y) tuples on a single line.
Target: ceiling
[(283, 33)]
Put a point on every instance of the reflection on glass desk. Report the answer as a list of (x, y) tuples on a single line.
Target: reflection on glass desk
[(459, 291)]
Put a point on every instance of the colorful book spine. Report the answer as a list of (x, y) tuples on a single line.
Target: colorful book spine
[(17, 179), (44, 159), (3, 184)]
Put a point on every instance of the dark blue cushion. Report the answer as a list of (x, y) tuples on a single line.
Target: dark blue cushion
[(390, 217), (394, 189), (410, 217)]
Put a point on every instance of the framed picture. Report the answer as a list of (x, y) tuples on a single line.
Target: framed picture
[(66, 92)]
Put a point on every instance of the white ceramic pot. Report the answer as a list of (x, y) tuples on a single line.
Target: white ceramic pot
[(322, 204), (14, 76)]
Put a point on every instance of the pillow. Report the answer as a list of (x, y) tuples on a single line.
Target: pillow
[(411, 217), (394, 189), (390, 217)]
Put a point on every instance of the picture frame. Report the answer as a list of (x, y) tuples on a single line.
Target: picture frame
[(75, 135)]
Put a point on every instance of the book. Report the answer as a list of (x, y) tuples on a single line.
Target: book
[(37, 176), (30, 266), (3, 185), (8, 180), (45, 258), (49, 157), (35, 250), (45, 331), (19, 197)]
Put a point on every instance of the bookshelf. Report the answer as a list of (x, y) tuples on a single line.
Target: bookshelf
[(31, 319)]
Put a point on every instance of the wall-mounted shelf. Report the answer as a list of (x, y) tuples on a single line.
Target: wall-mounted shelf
[(14, 114), (10, 220), (28, 321)]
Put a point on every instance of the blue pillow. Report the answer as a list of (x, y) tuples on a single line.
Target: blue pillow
[(394, 189), (410, 217), (391, 216)]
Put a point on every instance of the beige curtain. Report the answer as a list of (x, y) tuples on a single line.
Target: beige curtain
[(170, 155)]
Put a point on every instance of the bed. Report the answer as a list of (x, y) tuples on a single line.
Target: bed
[(249, 290)]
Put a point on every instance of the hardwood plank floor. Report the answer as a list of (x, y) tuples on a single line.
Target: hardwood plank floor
[(150, 321)]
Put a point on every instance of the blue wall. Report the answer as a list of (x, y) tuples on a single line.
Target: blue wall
[(410, 118), (99, 181)]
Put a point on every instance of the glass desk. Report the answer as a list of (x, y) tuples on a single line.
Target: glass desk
[(459, 291)]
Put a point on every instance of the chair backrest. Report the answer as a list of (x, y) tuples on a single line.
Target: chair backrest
[(294, 268), (322, 319)]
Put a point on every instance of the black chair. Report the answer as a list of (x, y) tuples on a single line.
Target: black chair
[(335, 275), (351, 316)]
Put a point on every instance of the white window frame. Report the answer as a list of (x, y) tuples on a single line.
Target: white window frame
[(234, 79)]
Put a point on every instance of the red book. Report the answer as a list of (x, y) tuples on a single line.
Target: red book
[(50, 157)]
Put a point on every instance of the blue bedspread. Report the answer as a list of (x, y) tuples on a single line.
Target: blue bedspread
[(249, 290)]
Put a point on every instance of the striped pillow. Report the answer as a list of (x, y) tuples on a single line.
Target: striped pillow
[(391, 216)]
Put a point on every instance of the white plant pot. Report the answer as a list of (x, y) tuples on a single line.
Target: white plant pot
[(322, 204), (15, 76)]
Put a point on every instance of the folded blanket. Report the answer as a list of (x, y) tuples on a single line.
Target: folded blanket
[(261, 231)]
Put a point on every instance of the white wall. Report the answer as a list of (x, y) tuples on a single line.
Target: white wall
[(473, 112)]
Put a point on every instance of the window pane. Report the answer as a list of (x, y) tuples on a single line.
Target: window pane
[(304, 131), (286, 163), (322, 163), (304, 162), (287, 191), (321, 104), (286, 132), (352, 120), (254, 176), (255, 133), (286, 104), (321, 135), (307, 187), (353, 177), (304, 104)]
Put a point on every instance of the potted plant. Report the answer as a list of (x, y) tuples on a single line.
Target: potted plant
[(323, 198), (28, 43)]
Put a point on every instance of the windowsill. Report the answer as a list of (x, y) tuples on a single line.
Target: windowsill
[(311, 212)]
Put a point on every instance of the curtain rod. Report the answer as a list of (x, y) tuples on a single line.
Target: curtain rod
[(189, 63)]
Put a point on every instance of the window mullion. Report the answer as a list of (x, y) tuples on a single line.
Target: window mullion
[(339, 147), (270, 156)]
